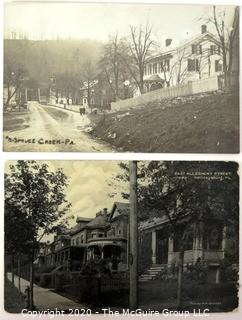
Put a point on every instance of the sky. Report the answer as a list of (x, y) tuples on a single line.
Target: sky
[(88, 189), (99, 21)]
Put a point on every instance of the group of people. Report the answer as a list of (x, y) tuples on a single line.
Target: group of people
[(82, 111)]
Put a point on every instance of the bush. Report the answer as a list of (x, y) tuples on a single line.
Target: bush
[(45, 280)]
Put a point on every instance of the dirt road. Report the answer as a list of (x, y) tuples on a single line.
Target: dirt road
[(46, 128)]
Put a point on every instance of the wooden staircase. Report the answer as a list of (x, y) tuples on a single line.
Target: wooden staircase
[(152, 273)]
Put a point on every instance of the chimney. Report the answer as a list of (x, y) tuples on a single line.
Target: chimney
[(168, 42), (203, 28), (105, 211)]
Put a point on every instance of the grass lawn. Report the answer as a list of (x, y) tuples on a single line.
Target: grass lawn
[(200, 123), (13, 299), (158, 295), (15, 121), (162, 294)]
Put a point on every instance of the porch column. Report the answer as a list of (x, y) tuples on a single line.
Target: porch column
[(170, 249), (102, 253), (197, 242), (154, 247), (224, 240)]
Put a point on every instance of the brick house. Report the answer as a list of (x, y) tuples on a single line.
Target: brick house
[(105, 235)]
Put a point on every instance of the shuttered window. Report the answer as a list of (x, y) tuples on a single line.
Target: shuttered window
[(196, 49), (192, 65)]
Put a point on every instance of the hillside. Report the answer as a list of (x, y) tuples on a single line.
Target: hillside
[(207, 122), (46, 58)]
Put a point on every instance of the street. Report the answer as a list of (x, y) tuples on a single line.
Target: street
[(49, 129)]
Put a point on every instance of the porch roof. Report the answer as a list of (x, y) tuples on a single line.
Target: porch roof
[(154, 78), (152, 222)]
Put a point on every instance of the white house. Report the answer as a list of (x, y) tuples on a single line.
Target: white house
[(193, 59)]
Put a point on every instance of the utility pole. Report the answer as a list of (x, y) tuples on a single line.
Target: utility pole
[(133, 261)]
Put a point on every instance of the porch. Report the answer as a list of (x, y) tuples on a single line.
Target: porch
[(209, 246)]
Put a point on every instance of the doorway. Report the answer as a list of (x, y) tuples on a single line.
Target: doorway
[(161, 247)]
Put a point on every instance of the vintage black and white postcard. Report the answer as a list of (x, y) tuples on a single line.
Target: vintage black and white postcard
[(109, 77), (123, 238)]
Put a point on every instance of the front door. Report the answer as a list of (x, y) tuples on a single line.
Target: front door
[(161, 247)]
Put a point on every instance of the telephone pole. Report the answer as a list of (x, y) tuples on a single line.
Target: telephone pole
[(133, 227)]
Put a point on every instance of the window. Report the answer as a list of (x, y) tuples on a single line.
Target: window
[(82, 238), (218, 66), (196, 49), (154, 68), (214, 49), (77, 241), (212, 238), (192, 65), (167, 65)]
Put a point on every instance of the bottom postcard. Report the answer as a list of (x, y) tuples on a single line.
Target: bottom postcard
[(110, 237)]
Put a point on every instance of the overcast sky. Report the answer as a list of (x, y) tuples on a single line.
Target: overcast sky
[(98, 21), (88, 189)]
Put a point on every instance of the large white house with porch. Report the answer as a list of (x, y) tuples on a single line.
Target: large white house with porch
[(194, 59)]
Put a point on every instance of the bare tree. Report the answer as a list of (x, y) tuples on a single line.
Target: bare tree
[(140, 45), (226, 38), (13, 81), (112, 66), (89, 73)]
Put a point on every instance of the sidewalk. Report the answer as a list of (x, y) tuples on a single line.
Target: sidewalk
[(46, 299)]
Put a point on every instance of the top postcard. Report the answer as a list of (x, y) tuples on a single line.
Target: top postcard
[(108, 77)]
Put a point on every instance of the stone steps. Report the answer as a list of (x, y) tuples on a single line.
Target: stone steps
[(152, 273)]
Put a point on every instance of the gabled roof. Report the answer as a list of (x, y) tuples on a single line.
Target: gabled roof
[(90, 84), (119, 209)]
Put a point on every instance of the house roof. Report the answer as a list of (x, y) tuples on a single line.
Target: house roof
[(119, 209), (196, 39), (153, 222), (99, 222), (81, 223), (90, 84)]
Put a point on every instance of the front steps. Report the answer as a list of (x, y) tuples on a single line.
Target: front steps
[(152, 273)]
